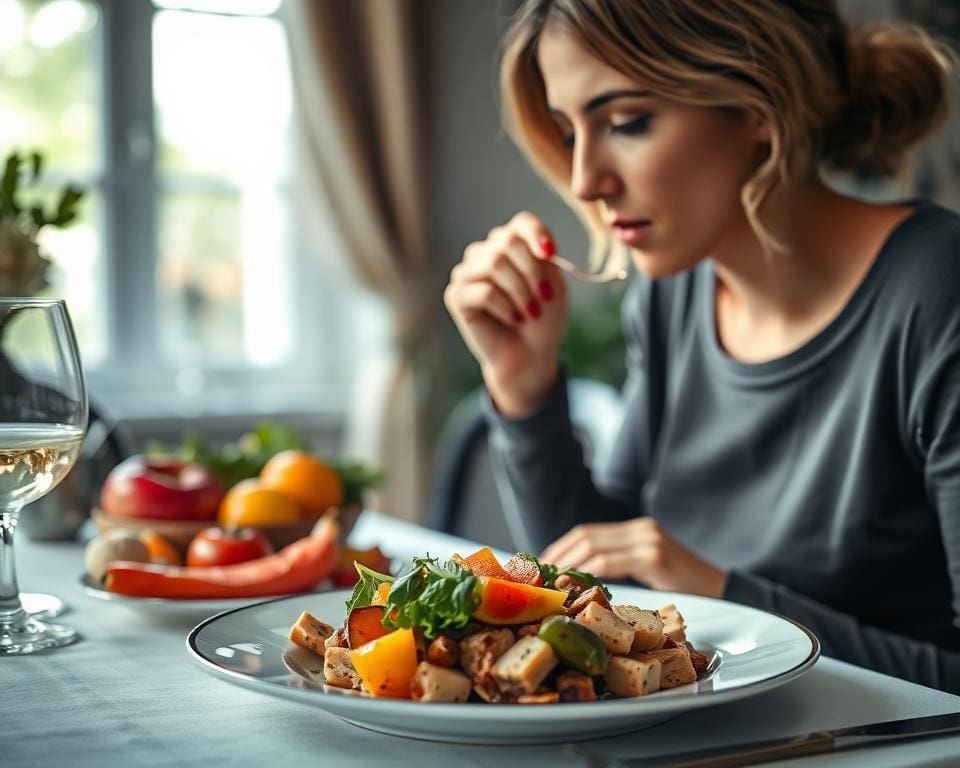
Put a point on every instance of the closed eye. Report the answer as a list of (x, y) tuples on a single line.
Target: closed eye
[(634, 127)]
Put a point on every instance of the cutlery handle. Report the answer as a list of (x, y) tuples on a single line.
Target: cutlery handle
[(777, 749)]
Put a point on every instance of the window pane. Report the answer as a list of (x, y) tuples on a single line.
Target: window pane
[(225, 282), (220, 110), (200, 277), (49, 75)]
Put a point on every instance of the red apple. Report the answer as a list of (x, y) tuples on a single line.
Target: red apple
[(161, 488)]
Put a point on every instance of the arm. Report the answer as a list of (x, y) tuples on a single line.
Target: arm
[(544, 484), (843, 636)]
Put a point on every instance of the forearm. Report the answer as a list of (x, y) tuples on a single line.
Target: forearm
[(544, 485), (843, 637)]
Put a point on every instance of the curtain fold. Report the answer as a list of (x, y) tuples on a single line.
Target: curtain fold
[(362, 72)]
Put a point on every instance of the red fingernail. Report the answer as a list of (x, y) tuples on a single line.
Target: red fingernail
[(546, 292), (517, 317), (533, 308), (547, 247)]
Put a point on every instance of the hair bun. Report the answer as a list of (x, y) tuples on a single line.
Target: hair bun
[(899, 93)]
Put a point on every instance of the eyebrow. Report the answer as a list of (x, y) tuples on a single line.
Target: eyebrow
[(605, 98)]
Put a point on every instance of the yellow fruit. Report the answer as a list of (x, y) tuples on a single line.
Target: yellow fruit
[(250, 503), (313, 484)]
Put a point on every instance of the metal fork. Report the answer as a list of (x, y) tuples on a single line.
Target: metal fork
[(602, 276)]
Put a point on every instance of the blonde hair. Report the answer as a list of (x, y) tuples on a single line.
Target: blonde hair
[(828, 98)]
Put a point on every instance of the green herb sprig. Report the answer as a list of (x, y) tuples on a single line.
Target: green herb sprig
[(436, 598), (549, 574), (366, 588)]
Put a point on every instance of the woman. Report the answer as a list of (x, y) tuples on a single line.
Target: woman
[(792, 432)]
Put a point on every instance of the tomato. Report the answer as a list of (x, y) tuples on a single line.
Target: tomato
[(216, 546)]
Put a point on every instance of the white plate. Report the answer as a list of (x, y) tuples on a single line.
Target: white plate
[(164, 609), (754, 652)]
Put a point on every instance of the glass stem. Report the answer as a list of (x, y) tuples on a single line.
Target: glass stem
[(10, 609)]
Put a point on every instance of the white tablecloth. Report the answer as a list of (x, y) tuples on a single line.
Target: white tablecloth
[(128, 694)]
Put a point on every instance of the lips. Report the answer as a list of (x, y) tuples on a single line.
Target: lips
[(632, 233)]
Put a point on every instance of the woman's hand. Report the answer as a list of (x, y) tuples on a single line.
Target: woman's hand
[(510, 306), (639, 549)]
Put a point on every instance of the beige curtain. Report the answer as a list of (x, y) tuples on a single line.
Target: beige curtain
[(361, 72)]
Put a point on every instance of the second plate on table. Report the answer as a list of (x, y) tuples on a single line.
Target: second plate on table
[(164, 609), (753, 651)]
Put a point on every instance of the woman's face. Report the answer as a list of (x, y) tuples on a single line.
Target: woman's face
[(667, 176)]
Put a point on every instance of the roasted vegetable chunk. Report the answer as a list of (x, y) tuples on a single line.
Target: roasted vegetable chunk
[(522, 668)]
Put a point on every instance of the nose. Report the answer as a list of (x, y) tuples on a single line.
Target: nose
[(592, 176)]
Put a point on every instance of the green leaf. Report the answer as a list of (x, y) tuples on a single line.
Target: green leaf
[(357, 478), (366, 588), (36, 165), (433, 597), (8, 187), (67, 207), (549, 574), (37, 216)]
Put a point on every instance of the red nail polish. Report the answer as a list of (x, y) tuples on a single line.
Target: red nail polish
[(547, 247), (517, 317), (533, 308), (546, 292)]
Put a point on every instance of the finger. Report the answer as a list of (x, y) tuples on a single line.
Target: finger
[(558, 549), (506, 258), (538, 236), (616, 564), (470, 299)]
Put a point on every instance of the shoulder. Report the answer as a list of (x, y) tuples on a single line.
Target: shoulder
[(923, 256)]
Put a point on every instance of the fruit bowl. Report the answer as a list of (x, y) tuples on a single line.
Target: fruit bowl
[(181, 532)]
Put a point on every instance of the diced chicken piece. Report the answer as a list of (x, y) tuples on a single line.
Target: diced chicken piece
[(575, 686), (616, 634), (338, 669), (337, 640), (676, 667), (444, 651), (627, 676), (647, 627), (433, 683), (479, 651), (592, 595), (522, 668), (673, 623), (668, 642), (310, 632)]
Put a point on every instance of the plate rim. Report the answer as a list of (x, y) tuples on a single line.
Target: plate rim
[(348, 705), (221, 605)]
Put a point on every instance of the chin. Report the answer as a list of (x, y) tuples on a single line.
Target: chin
[(656, 264)]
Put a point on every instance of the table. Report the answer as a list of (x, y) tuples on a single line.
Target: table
[(127, 693)]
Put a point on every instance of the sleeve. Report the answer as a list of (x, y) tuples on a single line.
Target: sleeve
[(544, 484), (845, 638)]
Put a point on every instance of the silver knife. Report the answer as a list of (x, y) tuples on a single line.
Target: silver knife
[(836, 740)]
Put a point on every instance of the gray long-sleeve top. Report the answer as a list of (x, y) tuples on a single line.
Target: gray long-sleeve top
[(827, 482)]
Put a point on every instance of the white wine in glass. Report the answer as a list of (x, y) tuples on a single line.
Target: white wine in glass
[(43, 419)]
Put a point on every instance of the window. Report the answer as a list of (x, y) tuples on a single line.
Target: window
[(186, 275)]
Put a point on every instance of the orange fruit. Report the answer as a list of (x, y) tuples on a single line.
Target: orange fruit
[(161, 550), (315, 485), (250, 503)]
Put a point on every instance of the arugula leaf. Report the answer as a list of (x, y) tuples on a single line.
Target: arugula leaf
[(365, 589), (549, 574), (436, 598)]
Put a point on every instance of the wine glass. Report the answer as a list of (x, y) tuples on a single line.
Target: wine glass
[(43, 418)]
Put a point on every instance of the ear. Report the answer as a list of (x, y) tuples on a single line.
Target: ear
[(759, 128)]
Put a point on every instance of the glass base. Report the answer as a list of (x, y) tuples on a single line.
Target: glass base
[(41, 605), (30, 635)]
